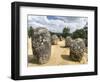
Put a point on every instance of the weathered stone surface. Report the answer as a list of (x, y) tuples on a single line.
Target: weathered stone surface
[(54, 39), (86, 42), (60, 38), (79, 39), (68, 41), (41, 45), (77, 49), (86, 50)]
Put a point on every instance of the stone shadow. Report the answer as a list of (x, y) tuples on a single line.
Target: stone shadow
[(31, 59), (66, 57), (63, 46)]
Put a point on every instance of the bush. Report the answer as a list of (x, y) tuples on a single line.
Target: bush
[(79, 33), (66, 32), (30, 31)]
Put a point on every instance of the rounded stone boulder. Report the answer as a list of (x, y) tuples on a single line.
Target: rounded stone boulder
[(60, 38), (77, 49), (68, 41), (41, 45), (54, 39), (86, 42)]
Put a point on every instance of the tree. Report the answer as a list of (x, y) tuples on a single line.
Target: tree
[(86, 31), (66, 32), (79, 33), (30, 30)]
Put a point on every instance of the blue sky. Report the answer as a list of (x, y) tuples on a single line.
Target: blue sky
[(57, 23)]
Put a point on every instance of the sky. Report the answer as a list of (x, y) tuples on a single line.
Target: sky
[(57, 23)]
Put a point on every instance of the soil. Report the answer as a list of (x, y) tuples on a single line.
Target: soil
[(59, 55)]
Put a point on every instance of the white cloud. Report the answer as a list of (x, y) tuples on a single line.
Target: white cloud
[(56, 25)]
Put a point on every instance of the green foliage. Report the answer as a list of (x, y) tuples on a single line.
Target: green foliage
[(80, 33), (30, 30), (66, 32), (86, 31)]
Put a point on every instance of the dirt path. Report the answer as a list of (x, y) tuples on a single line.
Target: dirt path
[(59, 55)]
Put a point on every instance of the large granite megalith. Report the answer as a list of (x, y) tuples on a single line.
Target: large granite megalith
[(77, 49), (41, 45)]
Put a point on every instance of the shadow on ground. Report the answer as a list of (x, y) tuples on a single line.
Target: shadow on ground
[(31, 60), (63, 46), (66, 57)]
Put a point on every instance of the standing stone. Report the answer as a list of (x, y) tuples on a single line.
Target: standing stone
[(41, 45), (77, 49), (54, 39), (68, 41), (79, 39), (86, 42), (60, 38)]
